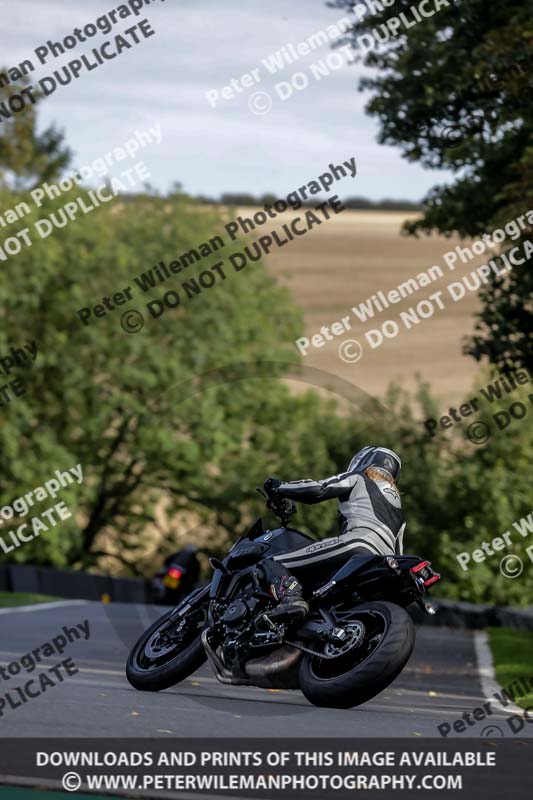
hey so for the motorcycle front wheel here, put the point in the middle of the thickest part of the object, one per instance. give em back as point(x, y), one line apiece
point(378, 640)
point(167, 653)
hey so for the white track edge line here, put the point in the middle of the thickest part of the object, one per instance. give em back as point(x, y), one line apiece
point(43, 606)
point(487, 676)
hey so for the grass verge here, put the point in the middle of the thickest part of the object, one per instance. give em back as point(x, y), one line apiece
point(512, 652)
point(8, 599)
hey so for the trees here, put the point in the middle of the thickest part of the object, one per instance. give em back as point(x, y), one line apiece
point(27, 158)
point(183, 418)
point(488, 489)
point(454, 91)
point(129, 407)
point(186, 415)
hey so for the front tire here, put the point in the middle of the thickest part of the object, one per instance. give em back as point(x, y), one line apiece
point(159, 660)
point(369, 667)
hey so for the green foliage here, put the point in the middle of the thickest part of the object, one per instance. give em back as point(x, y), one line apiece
point(455, 495)
point(27, 158)
point(192, 410)
point(129, 407)
point(455, 92)
point(356, 203)
point(512, 652)
point(467, 495)
point(11, 599)
point(489, 490)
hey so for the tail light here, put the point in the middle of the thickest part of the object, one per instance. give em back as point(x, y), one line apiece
point(423, 573)
point(174, 573)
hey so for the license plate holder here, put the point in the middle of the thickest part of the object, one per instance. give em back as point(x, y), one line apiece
point(424, 575)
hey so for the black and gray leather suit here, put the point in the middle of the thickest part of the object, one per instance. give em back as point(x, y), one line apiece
point(370, 517)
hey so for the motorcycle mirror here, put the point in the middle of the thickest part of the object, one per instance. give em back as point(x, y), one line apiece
point(217, 564)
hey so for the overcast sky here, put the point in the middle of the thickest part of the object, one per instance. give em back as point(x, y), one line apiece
point(199, 46)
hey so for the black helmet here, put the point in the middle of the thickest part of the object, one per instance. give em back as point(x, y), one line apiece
point(380, 457)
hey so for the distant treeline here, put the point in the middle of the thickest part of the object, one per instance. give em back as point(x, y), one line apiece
point(243, 199)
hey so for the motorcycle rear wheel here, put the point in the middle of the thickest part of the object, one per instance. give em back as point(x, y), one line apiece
point(364, 670)
point(162, 657)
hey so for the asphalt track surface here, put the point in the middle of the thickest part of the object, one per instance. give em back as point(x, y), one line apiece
point(440, 682)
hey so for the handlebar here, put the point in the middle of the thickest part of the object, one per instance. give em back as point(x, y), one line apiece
point(281, 506)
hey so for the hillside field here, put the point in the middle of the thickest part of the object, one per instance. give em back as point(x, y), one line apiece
point(345, 261)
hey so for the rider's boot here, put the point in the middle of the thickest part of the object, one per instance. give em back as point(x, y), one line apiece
point(292, 605)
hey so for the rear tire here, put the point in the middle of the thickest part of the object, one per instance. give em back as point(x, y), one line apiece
point(152, 674)
point(369, 676)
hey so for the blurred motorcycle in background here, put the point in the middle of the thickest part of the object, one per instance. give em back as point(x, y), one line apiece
point(178, 577)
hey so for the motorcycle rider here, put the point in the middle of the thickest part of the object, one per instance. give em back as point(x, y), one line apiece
point(370, 516)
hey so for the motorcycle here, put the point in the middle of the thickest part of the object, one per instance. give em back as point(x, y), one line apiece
point(174, 581)
point(354, 642)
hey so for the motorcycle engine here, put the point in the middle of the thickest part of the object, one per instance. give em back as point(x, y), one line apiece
point(237, 613)
point(237, 629)
point(239, 638)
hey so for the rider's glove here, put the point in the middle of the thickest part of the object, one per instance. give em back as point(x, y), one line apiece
point(271, 486)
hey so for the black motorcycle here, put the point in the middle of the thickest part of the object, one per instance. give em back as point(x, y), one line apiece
point(177, 578)
point(353, 643)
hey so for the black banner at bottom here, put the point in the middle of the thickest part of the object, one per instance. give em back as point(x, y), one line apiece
point(267, 768)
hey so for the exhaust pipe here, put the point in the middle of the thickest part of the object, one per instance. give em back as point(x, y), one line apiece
point(222, 673)
point(278, 670)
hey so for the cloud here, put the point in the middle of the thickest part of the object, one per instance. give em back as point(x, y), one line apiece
point(201, 45)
